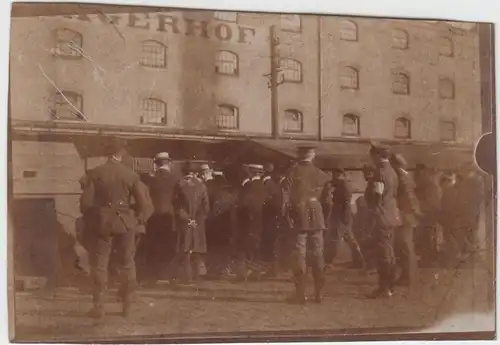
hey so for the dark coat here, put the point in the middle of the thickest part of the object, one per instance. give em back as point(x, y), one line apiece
point(191, 203)
point(251, 199)
point(305, 185)
point(107, 196)
point(384, 206)
point(337, 200)
point(161, 189)
point(407, 198)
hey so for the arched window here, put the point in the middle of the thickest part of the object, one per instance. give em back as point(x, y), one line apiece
point(291, 22)
point(350, 125)
point(154, 54)
point(400, 83)
point(226, 16)
point(400, 39)
point(291, 70)
point(226, 63)
point(447, 131)
point(153, 112)
point(446, 46)
point(348, 30)
point(68, 44)
point(68, 105)
point(402, 128)
point(293, 121)
point(349, 78)
point(446, 88)
point(228, 117)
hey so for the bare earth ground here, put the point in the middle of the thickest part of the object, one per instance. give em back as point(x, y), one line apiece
point(456, 296)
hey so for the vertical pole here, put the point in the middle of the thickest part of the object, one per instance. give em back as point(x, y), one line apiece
point(275, 63)
point(320, 115)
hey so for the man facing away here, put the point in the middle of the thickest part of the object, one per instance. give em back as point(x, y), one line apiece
point(191, 207)
point(252, 197)
point(381, 197)
point(339, 218)
point(305, 184)
point(159, 242)
point(108, 191)
point(404, 245)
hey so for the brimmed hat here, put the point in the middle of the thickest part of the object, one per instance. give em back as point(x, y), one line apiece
point(162, 156)
point(189, 167)
point(255, 167)
point(205, 167)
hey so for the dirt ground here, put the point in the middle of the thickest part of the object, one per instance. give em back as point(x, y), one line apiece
point(224, 307)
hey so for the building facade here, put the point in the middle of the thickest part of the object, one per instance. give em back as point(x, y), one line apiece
point(204, 75)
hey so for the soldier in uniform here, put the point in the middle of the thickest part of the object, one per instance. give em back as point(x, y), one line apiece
point(404, 245)
point(159, 242)
point(339, 218)
point(191, 207)
point(108, 193)
point(305, 185)
point(381, 197)
point(252, 197)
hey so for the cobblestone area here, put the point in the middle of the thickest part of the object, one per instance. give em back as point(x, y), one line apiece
point(213, 307)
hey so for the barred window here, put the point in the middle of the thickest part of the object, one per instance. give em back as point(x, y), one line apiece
point(68, 44)
point(228, 117)
point(349, 78)
point(447, 131)
point(348, 30)
point(153, 112)
point(68, 105)
point(350, 125)
point(291, 22)
point(446, 46)
point(402, 128)
point(226, 63)
point(226, 16)
point(293, 121)
point(400, 39)
point(400, 84)
point(291, 70)
point(154, 54)
point(446, 88)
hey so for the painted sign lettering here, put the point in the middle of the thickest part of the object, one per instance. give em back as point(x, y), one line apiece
point(170, 23)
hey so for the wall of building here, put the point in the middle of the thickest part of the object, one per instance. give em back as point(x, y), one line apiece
point(113, 83)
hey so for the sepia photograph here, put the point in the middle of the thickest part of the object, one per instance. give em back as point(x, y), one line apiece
point(198, 175)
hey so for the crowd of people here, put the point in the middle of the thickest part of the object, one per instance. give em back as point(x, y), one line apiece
point(275, 220)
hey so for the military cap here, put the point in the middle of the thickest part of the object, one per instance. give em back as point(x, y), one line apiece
point(338, 169)
point(398, 160)
point(162, 156)
point(380, 149)
point(304, 151)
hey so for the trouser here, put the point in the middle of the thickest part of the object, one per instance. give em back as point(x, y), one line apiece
point(427, 240)
point(101, 252)
point(341, 231)
point(188, 261)
point(386, 265)
point(404, 248)
point(157, 248)
point(218, 243)
point(249, 258)
point(272, 241)
point(309, 242)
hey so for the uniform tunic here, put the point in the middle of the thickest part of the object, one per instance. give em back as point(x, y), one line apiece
point(107, 194)
point(305, 184)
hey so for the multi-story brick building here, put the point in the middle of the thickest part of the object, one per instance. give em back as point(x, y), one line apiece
point(189, 81)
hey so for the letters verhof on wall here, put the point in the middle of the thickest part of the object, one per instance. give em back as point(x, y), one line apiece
point(176, 23)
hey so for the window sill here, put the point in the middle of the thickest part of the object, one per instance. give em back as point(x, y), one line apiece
point(154, 69)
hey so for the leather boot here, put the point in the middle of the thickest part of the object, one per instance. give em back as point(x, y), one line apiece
point(127, 298)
